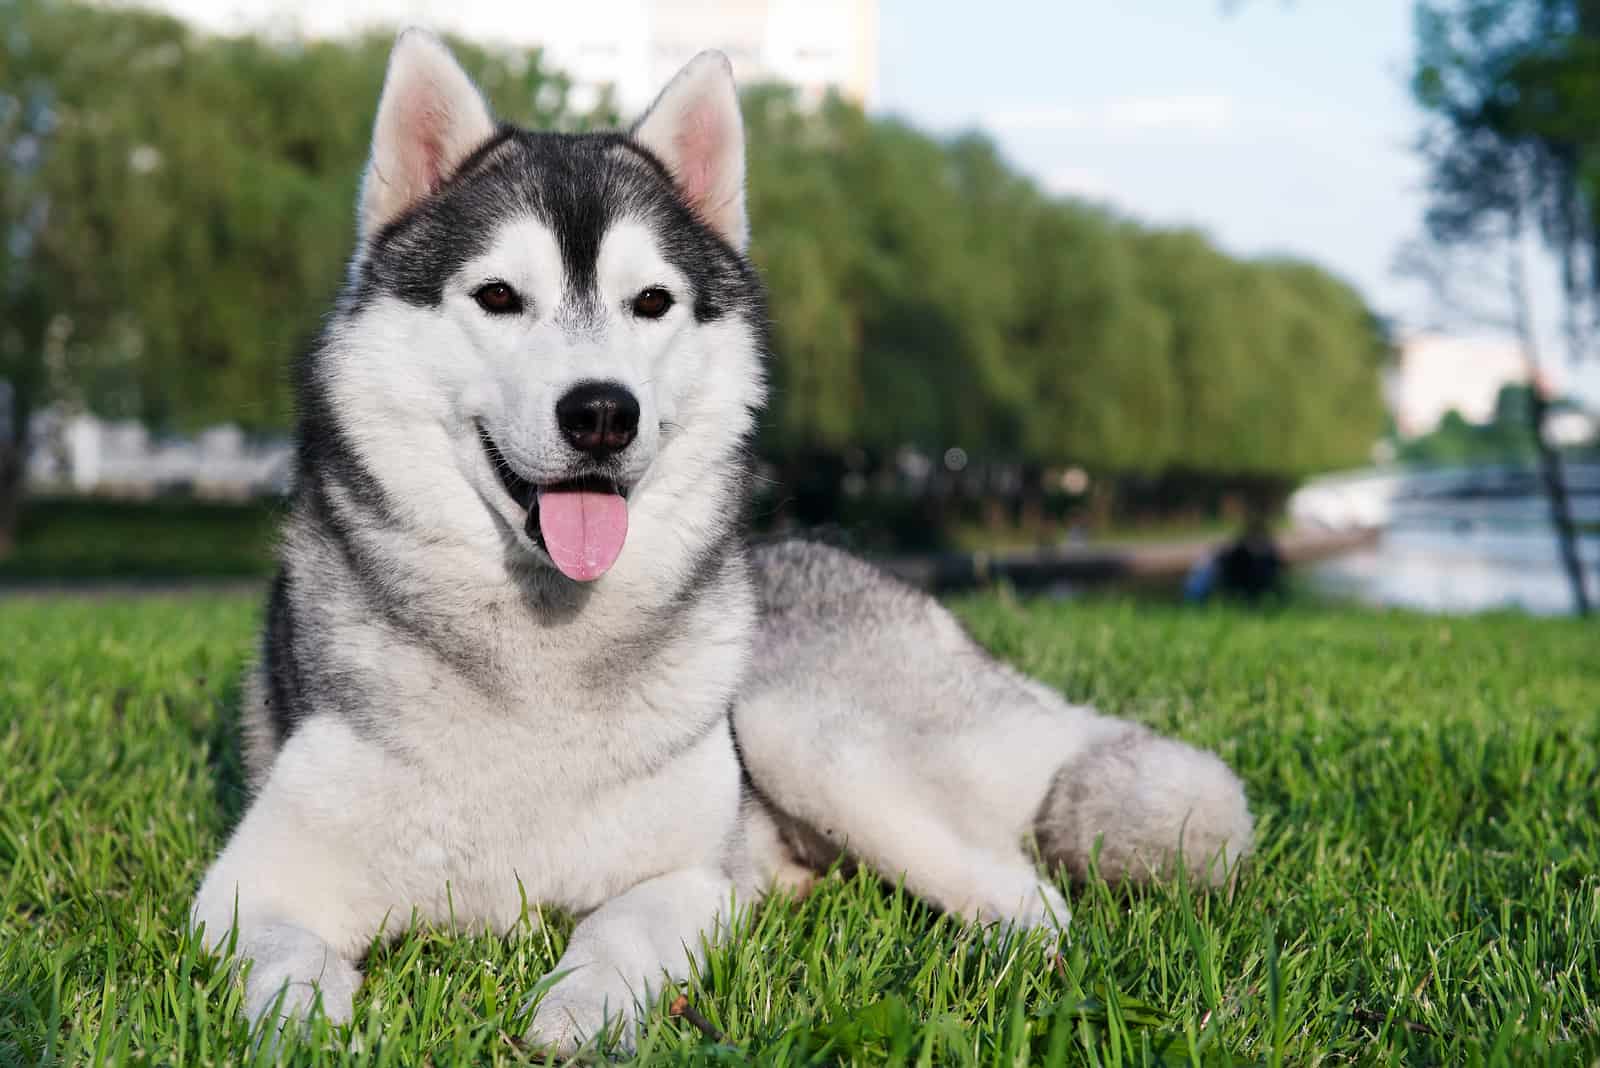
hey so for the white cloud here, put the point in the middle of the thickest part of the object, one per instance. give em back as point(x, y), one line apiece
point(1205, 112)
point(1189, 111)
point(1037, 119)
point(1078, 182)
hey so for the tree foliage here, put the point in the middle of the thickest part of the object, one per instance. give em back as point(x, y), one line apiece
point(924, 292)
point(178, 214)
point(182, 213)
point(1504, 438)
point(1513, 150)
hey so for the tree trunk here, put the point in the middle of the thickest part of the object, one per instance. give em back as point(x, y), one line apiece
point(1555, 488)
point(1550, 467)
point(13, 462)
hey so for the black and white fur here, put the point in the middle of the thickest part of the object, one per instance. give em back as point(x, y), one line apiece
point(443, 725)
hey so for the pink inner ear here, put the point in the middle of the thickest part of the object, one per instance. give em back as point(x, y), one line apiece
point(424, 126)
point(700, 145)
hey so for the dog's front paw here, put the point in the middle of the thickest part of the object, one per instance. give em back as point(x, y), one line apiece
point(290, 971)
point(573, 1014)
point(290, 1005)
point(1041, 908)
point(1016, 901)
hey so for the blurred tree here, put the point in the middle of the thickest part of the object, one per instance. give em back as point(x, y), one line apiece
point(1095, 347)
point(806, 241)
point(1214, 361)
point(70, 213)
point(926, 293)
point(1513, 150)
point(1276, 363)
point(1332, 338)
point(1456, 441)
point(177, 209)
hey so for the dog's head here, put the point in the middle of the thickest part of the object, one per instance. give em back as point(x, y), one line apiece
point(566, 324)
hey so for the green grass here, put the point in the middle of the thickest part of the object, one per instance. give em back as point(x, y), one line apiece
point(976, 537)
point(71, 539)
point(1426, 890)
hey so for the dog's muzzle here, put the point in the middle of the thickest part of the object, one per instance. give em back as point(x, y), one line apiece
point(580, 523)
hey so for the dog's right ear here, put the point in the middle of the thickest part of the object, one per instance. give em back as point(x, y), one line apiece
point(430, 118)
point(695, 130)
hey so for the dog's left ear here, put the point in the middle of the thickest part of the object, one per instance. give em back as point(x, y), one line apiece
point(694, 128)
point(430, 118)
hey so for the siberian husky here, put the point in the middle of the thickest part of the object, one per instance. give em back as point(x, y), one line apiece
point(518, 651)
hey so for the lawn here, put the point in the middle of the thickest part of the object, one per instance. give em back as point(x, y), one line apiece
point(1427, 888)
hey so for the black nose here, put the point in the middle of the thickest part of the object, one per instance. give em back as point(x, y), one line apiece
point(598, 418)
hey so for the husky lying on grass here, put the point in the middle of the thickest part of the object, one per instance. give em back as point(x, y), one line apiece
point(517, 650)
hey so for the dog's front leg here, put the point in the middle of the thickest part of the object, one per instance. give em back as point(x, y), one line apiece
point(621, 952)
point(290, 965)
point(299, 887)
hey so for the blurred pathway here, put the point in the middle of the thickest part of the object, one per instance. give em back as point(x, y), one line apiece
point(1091, 564)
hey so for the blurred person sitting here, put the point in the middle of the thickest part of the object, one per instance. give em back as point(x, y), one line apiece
point(1248, 568)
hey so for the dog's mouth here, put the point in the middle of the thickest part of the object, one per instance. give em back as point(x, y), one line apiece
point(580, 523)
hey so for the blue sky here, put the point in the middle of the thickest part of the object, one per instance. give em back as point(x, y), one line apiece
point(1275, 126)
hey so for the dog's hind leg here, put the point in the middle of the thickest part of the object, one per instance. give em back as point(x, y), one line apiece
point(845, 794)
point(874, 724)
point(899, 833)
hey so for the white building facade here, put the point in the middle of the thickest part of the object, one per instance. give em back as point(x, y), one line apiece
point(633, 46)
point(1437, 373)
point(82, 454)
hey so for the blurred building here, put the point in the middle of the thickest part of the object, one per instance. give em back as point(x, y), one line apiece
point(634, 46)
point(121, 458)
point(1436, 373)
point(1568, 426)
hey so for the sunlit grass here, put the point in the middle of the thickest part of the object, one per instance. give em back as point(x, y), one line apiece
point(1427, 888)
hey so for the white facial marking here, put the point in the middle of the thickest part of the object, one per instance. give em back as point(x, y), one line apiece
point(528, 360)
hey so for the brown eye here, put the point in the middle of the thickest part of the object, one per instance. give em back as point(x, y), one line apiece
point(497, 298)
point(652, 303)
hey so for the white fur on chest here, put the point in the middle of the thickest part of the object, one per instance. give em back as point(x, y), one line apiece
point(464, 843)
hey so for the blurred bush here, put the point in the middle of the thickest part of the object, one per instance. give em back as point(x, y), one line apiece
point(74, 540)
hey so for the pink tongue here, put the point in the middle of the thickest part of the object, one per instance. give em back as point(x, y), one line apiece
point(583, 530)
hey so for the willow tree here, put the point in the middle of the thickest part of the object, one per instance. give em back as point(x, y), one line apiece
point(178, 210)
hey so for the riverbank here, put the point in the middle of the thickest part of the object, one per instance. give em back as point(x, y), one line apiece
point(71, 541)
point(1452, 567)
point(1125, 563)
point(1095, 565)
